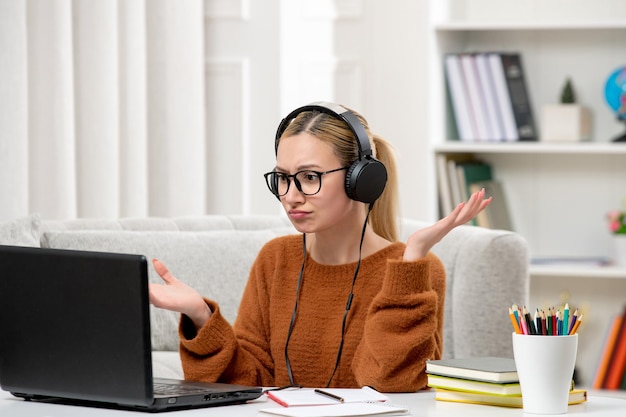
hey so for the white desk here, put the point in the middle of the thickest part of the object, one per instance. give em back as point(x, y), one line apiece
point(421, 404)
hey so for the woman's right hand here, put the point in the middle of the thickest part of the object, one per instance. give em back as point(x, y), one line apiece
point(176, 296)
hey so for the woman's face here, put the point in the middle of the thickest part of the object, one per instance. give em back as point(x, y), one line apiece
point(331, 205)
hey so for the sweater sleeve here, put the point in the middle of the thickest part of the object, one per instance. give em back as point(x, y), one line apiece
point(404, 327)
point(219, 352)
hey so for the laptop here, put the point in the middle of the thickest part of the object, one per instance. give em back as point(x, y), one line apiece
point(75, 328)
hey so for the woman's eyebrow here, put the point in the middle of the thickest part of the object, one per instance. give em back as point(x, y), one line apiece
point(299, 168)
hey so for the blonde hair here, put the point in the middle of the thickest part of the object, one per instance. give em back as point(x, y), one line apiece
point(336, 133)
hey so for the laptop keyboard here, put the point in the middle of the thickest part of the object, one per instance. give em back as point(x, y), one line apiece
point(174, 389)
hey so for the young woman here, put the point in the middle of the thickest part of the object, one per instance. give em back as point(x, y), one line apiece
point(341, 304)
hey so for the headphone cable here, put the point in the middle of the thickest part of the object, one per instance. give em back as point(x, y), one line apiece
point(345, 314)
point(350, 297)
point(295, 311)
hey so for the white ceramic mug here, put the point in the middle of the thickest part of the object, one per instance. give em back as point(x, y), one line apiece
point(545, 367)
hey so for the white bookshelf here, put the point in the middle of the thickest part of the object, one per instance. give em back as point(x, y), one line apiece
point(558, 194)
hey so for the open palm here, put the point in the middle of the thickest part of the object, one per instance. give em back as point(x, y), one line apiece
point(422, 241)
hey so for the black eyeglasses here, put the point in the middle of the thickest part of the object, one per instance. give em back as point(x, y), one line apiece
point(308, 182)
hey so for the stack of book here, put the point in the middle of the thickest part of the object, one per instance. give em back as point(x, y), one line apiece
point(459, 176)
point(611, 370)
point(481, 380)
point(489, 97)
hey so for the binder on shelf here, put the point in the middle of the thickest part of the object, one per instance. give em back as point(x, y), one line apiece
point(520, 99)
point(607, 350)
point(459, 98)
point(478, 107)
point(503, 100)
point(494, 116)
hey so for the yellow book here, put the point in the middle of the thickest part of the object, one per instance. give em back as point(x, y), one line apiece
point(576, 396)
point(480, 387)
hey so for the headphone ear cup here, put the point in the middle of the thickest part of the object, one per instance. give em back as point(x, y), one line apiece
point(365, 180)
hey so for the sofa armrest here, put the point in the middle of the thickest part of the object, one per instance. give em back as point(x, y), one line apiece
point(486, 272)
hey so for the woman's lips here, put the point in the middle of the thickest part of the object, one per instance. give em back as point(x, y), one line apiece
point(298, 214)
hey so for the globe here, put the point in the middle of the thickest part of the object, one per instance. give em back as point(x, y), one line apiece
point(615, 95)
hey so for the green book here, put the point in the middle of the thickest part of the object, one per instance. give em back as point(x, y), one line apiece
point(470, 172)
point(489, 369)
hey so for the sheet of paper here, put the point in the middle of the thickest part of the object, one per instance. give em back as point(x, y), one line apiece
point(339, 410)
point(308, 396)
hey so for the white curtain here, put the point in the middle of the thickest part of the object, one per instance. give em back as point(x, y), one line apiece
point(102, 108)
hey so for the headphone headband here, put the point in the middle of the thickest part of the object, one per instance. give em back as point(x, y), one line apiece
point(337, 111)
point(366, 177)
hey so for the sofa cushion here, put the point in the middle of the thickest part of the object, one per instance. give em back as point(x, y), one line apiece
point(21, 232)
point(200, 259)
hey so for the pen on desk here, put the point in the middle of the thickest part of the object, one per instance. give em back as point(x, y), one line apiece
point(329, 395)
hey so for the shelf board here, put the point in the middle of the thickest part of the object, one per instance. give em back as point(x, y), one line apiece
point(582, 271)
point(582, 148)
point(462, 26)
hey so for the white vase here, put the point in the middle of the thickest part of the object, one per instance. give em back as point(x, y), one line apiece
point(620, 249)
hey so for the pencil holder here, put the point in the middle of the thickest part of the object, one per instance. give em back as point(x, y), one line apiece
point(545, 368)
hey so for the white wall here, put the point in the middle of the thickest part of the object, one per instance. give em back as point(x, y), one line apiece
point(366, 54)
point(158, 136)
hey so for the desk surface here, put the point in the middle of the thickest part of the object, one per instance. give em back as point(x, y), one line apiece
point(421, 404)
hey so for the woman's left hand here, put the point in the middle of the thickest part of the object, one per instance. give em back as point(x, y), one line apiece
point(422, 241)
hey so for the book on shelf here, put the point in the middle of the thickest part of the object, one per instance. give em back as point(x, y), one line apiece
point(495, 127)
point(481, 387)
point(615, 371)
point(496, 215)
point(503, 99)
point(576, 396)
point(469, 172)
point(520, 99)
point(483, 368)
point(562, 261)
point(449, 194)
point(606, 352)
point(475, 95)
point(459, 98)
point(489, 96)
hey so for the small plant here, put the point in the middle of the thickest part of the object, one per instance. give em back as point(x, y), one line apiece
point(567, 95)
point(617, 222)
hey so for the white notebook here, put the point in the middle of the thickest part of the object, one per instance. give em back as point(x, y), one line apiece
point(340, 410)
point(310, 396)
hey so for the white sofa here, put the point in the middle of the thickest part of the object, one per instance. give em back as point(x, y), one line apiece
point(487, 270)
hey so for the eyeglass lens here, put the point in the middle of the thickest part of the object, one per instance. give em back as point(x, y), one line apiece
point(307, 182)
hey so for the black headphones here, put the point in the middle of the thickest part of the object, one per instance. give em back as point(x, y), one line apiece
point(367, 176)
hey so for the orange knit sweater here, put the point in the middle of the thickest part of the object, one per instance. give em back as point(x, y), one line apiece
point(394, 325)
